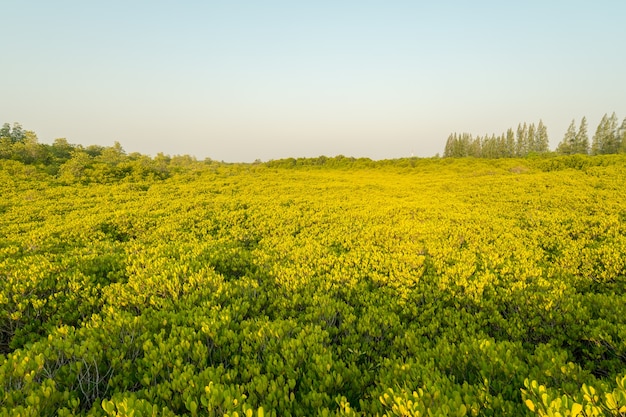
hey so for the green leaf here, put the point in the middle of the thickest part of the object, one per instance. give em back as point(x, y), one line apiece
point(108, 407)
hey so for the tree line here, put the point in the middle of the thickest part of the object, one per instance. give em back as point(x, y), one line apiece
point(94, 163)
point(528, 139)
point(79, 163)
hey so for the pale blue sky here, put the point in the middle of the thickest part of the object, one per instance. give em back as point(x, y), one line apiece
point(243, 80)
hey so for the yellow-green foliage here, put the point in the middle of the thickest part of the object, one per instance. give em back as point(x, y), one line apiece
point(321, 287)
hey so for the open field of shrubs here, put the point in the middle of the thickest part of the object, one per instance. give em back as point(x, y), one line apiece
point(314, 287)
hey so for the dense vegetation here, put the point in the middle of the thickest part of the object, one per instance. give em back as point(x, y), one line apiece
point(132, 285)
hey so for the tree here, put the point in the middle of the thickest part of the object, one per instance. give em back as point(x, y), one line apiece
point(475, 148)
point(5, 131)
point(75, 168)
point(510, 143)
point(597, 144)
point(61, 150)
point(566, 146)
point(94, 150)
point(23, 145)
point(32, 151)
point(622, 136)
point(15, 134)
point(112, 155)
point(458, 146)
point(489, 148)
point(613, 135)
point(605, 140)
point(542, 142)
point(448, 151)
point(501, 145)
point(581, 143)
point(6, 147)
point(522, 140)
point(530, 138)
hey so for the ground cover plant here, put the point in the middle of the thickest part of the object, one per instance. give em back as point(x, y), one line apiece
point(325, 286)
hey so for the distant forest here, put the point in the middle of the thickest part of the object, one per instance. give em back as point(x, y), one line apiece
point(528, 139)
point(95, 163)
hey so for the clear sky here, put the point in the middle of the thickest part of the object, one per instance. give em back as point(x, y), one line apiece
point(246, 80)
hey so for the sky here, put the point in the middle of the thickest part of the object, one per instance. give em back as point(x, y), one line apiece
point(238, 81)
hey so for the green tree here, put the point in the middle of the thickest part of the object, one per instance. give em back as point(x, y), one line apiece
point(15, 133)
point(502, 146)
point(112, 155)
point(522, 140)
point(94, 150)
point(6, 147)
point(5, 131)
point(510, 143)
point(566, 146)
point(532, 131)
point(597, 144)
point(542, 142)
point(622, 136)
point(75, 169)
point(614, 138)
point(581, 144)
point(489, 147)
point(61, 150)
point(605, 140)
point(448, 151)
point(458, 146)
point(28, 150)
point(475, 147)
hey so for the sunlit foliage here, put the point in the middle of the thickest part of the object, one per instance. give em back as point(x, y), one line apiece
point(331, 286)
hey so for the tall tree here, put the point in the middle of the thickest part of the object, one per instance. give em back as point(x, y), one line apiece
point(581, 144)
point(458, 146)
point(531, 138)
point(605, 140)
point(510, 143)
point(622, 136)
point(522, 140)
point(566, 146)
point(5, 131)
point(475, 147)
point(614, 138)
point(597, 144)
point(448, 150)
point(542, 142)
point(28, 150)
point(15, 134)
point(502, 147)
point(489, 148)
